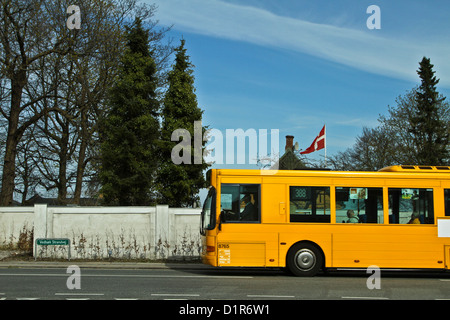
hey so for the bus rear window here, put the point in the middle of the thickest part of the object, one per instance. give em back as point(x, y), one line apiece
point(309, 204)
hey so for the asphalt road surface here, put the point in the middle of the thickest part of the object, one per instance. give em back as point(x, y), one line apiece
point(216, 284)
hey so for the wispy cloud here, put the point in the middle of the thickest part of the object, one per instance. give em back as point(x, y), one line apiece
point(317, 120)
point(363, 50)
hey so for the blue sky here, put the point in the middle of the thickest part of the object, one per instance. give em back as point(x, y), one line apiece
point(296, 65)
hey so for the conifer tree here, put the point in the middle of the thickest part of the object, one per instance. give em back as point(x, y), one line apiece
point(179, 184)
point(131, 129)
point(430, 132)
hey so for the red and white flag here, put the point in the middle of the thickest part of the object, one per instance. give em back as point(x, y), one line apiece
point(318, 143)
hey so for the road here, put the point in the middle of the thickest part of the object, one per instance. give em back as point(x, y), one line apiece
point(214, 284)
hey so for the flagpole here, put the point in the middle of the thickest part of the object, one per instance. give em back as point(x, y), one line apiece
point(325, 144)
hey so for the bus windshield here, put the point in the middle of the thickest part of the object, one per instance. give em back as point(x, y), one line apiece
point(208, 219)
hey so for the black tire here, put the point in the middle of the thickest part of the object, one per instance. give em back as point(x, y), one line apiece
point(304, 260)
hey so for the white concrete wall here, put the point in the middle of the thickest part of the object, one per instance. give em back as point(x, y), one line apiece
point(12, 222)
point(102, 232)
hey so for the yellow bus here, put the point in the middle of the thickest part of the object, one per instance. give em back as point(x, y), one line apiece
point(311, 220)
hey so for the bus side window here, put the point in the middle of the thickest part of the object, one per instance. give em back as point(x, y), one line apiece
point(447, 202)
point(240, 203)
point(309, 204)
point(411, 206)
point(359, 205)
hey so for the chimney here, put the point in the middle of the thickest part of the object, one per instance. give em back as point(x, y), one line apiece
point(289, 143)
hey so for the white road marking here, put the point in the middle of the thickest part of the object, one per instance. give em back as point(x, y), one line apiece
point(78, 294)
point(367, 298)
point(174, 295)
point(267, 296)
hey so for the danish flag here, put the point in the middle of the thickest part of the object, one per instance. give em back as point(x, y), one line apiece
point(318, 143)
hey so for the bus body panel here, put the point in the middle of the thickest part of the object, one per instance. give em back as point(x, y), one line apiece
point(247, 245)
point(266, 243)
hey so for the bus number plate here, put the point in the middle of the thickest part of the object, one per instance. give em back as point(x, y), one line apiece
point(224, 253)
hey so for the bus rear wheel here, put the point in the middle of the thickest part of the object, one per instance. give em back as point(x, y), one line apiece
point(304, 260)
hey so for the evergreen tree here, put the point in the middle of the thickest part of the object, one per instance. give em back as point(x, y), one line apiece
point(179, 184)
point(430, 132)
point(131, 129)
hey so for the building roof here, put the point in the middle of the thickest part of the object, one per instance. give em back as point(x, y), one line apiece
point(289, 161)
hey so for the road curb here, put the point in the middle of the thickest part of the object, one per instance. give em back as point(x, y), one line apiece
point(101, 265)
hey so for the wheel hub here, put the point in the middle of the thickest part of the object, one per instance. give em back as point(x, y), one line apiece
point(305, 259)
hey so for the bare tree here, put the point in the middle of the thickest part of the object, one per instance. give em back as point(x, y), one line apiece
point(27, 35)
point(27, 175)
point(54, 82)
point(371, 152)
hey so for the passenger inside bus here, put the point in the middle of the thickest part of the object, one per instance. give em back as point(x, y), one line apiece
point(414, 218)
point(351, 217)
